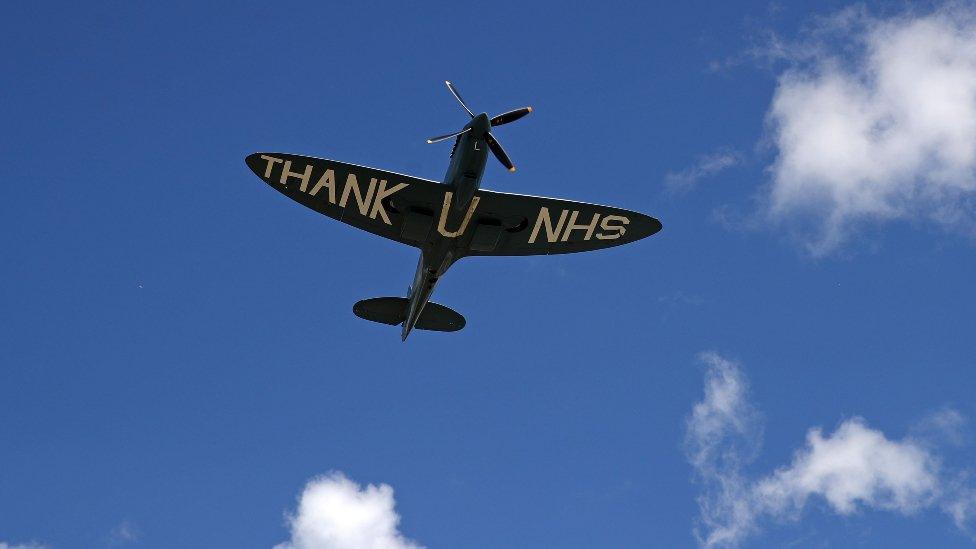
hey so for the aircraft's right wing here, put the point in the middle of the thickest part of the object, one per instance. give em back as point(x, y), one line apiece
point(377, 201)
point(516, 224)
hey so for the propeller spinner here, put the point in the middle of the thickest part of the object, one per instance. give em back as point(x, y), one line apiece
point(493, 144)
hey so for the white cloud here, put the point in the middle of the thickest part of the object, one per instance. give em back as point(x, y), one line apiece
point(874, 120)
point(336, 513)
point(852, 468)
point(31, 545)
point(705, 166)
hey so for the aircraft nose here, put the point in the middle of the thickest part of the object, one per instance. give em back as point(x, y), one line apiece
point(481, 123)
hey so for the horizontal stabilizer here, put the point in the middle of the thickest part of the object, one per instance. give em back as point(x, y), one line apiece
point(393, 311)
point(439, 318)
point(387, 310)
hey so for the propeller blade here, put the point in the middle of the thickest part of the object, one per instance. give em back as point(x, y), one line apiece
point(458, 97)
point(448, 136)
point(496, 148)
point(510, 116)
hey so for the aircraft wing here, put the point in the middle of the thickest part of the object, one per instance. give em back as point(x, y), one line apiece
point(375, 201)
point(409, 209)
point(516, 224)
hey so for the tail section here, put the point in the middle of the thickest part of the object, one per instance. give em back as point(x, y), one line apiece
point(393, 311)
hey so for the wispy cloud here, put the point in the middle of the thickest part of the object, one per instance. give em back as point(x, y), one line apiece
point(31, 545)
point(944, 426)
point(705, 166)
point(679, 297)
point(874, 119)
point(724, 432)
point(962, 507)
point(852, 468)
point(336, 513)
point(124, 533)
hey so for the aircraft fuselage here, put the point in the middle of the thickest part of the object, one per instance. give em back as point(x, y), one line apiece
point(464, 177)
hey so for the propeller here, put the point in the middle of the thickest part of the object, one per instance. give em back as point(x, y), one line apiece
point(440, 138)
point(496, 148)
point(510, 116)
point(458, 97)
point(493, 144)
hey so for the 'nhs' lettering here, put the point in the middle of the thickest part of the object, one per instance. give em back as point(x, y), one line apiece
point(611, 228)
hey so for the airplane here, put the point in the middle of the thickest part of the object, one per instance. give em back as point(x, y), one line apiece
point(449, 220)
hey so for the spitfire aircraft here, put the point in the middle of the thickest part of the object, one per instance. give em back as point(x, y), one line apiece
point(448, 220)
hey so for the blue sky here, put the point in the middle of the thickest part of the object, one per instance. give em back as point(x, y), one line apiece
point(179, 360)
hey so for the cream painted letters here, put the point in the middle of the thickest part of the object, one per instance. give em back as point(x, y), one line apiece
point(271, 162)
point(572, 226)
point(328, 181)
point(381, 194)
point(608, 226)
point(286, 173)
point(447, 208)
point(552, 234)
point(353, 185)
